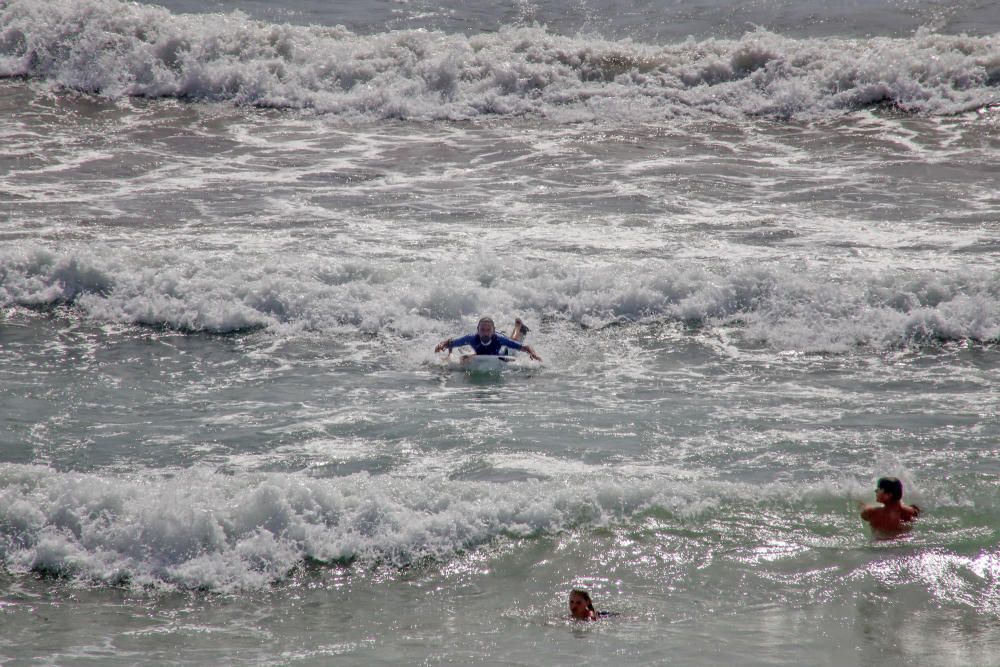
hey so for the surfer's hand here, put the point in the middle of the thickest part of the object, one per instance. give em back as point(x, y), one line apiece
point(446, 343)
point(531, 353)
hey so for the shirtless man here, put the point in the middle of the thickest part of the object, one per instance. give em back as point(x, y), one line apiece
point(894, 517)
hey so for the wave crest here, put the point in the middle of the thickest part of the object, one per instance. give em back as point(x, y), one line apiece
point(118, 49)
point(796, 309)
point(202, 530)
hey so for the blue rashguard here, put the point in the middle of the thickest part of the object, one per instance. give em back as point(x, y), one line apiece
point(493, 347)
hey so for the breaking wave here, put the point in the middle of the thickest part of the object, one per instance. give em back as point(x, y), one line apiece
point(777, 306)
point(116, 49)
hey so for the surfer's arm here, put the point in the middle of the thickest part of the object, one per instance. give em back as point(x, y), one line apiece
point(450, 343)
point(531, 352)
point(510, 342)
point(515, 345)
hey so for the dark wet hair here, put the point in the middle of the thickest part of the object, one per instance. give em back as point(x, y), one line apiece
point(486, 319)
point(585, 595)
point(892, 486)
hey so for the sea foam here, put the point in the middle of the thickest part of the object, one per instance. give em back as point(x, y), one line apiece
point(220, 532)
point(199, 529)
point(114, 48)
point(798, 308)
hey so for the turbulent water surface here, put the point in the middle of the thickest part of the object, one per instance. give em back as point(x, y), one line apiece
point(757, 246)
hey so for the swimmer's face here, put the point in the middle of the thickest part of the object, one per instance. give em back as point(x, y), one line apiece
point(485, 329)
point(882, 496)
point(578, 607)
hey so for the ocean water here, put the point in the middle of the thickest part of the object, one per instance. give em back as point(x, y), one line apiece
point(756, 243)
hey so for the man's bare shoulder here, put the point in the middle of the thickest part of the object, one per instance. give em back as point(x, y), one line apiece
point(869, 511)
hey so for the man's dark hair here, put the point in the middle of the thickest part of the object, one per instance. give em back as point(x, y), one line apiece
point(892, 486)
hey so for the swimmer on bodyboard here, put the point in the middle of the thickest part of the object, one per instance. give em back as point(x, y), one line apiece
point(487, 342)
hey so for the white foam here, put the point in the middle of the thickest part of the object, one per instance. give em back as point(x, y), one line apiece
point(201, 529)
point(223, 532)
point(114, 48)
point(802, 308)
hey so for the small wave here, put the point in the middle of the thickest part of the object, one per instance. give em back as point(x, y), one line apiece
point(775, 306)
point(202, 530)
point(164, 293)
point(118, 49)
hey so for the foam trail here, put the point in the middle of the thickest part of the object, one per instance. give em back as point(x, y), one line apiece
point(114, 48)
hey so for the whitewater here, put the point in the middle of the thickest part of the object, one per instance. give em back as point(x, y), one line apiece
point(756, 244)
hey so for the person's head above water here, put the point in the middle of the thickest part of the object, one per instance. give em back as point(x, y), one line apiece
point(485, 329)
point(893, 517)
point(890, 486)
point(580, 606)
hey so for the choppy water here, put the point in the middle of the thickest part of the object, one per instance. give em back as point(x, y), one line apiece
point(757, 246)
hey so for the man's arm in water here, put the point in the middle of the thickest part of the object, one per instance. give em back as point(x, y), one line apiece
point(514, 345)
